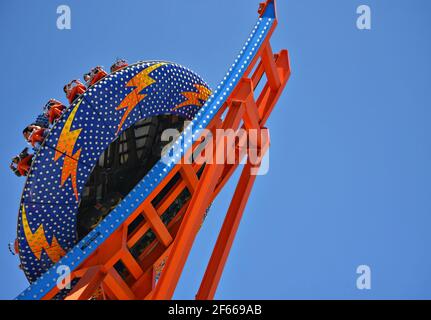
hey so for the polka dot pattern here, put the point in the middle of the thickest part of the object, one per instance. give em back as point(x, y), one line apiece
point(93, 139)
point(58, 220)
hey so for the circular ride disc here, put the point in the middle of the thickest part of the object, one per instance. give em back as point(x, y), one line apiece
point(47, 221)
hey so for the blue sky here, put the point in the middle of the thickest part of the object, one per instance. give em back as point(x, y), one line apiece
point(349, 163)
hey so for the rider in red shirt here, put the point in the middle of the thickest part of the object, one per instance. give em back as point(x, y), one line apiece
point(53, 110)
point(94, 75)
point(73, 89)
point(21, 163)
point(119, 64)
point(35, 135)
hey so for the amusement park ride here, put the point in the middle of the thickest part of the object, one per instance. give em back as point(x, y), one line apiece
point(97, 200)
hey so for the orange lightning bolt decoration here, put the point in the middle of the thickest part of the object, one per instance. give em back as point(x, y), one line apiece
point(195, 98)
point(37, 241)
point(140, 82)
point(65, 145)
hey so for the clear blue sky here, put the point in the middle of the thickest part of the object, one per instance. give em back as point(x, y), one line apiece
point(349, 179)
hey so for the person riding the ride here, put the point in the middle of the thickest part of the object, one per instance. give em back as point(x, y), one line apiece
point(53, 110)
point(94, 75)
point(73, 89)
point(21, 163)
point(14, 247)
point(35, 135)
point(119, 64)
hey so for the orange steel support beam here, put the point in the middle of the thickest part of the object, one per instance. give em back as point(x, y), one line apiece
point(131, 264)
point(88, 284)
point(268, 97)
point(117, 286)
point(225, 239)
point(270, 67)
point(186, 234)
point(189, 176)
point(156, 223)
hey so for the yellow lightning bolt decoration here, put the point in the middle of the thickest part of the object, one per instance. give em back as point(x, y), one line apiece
point(37, 241)
point(195, 98)
point(140, 82)
point(65, 145)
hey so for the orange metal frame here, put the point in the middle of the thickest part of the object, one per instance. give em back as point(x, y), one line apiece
point(155, 273)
